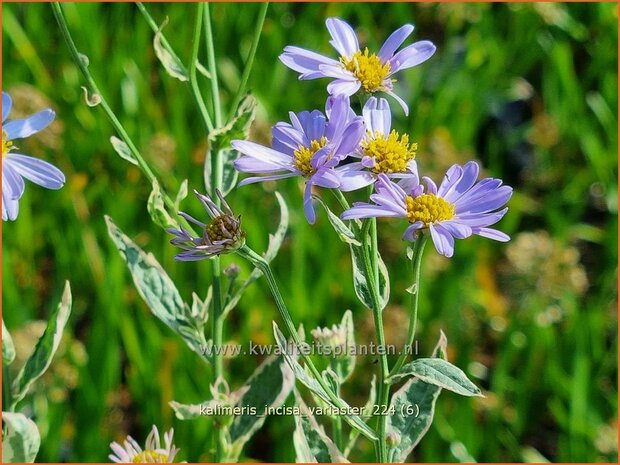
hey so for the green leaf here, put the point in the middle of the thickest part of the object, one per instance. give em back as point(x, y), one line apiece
point(269, 386)
point(345, 364)
point(21, 441)
point(359, 279)
point(158, 291)
point(310, 440)
point(122, 149)
point(343, 231)
point(219, 142)
point(157, 209)
point(45, 349)
point(168, 59)
point(8, 348)
point(440, 373)
point(414, 407)
point(275, 242)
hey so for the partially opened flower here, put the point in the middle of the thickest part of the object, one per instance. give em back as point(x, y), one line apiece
point(310, 147)
point(359, 69)
point(460, 207)
point(16, 166)
point(223, 234)
point(382, 150)
point(131, 452)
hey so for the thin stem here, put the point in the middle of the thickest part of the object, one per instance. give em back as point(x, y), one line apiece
point(193, 78)
point(250, 61)
point(416, 262)
point(342, 200)
point(264, 267)
point(215, 90)
point(372, 278)
point(94, 90)
point(217, 329)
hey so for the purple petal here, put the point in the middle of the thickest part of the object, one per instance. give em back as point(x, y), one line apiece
point(308, 206)
point(395, 40)
point(10, 207)
point(340, 86)
point(444, 242)
point(410, 231)
point(412, 55)
point(452, 176)
point(286, 139)
point(305, 61)
point(20, 128)
point(476, 220)
point(400, 101)
point(273, 177)
point(6, 105)
point(351, 137)
point(366, 210)
point(354, 180)
point(12, 183)
point(457, 229)
point(337, 71)
point(368, 162)
point(466, 181)
point(259, 152)
point(247, 164)
point(431, 187)
point(492, 234)
point(38, 171)
point(377, 116)
point(326, 178)
point(490, 201)
point(314, 124)
point(343, 35)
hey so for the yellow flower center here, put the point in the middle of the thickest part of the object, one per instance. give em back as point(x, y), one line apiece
point(304, 154)
point(150, 456)
point(428, 208)
point(392, 154)
point(368, 68)
point(7, 145)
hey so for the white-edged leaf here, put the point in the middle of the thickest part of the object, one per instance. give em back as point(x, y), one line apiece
point(181, 194)
point(167, 58)
point(46, 347)
point(123, 151)
point(311, 442)
point(344, 232)
point(440, 373)
point(158, 291)
point(368, 410)
point(20, 443)
point(359, 279)
point(8, 348)
point(414, 407)
point(157, 209)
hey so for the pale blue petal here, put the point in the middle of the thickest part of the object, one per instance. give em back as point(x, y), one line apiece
point(274, 177)
point(395, 40)
point(492, 234)
point(412, 55)
point(377, 116)
point(400, 101)
point(340, 86)
point(38, 171)
point(12, 183)
point(6, 106)
point(308, 206)
point(260, 152)
point(305, 61)
point(366, 210)
point(343, 35)
point(20, 128)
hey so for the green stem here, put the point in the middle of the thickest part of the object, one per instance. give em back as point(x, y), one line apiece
point(215, 90)
point(372, 278)
point(94, 90)
point(250, 61)
point(264, 267)
point(416, 263)
point(217, 327)
point(193, 78)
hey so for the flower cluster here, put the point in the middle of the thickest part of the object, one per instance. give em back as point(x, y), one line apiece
point(16, 166)
point(340, 150)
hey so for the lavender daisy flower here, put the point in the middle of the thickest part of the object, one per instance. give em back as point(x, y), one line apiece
point(357, 69)
point(310, 147)
point(382, 150)
point(222, 235)
point(459, 208)
point(131, 452)
point(16, 166)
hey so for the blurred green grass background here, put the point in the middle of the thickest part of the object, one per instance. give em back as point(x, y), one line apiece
point(529, 90)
